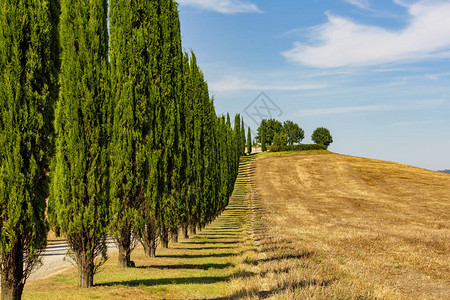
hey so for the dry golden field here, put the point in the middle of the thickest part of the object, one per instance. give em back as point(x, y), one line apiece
point(335, 226)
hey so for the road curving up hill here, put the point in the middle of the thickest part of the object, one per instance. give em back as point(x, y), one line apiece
point(379, 226)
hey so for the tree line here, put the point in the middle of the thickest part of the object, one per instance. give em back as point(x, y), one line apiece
point(115, 126)
point(273, 132)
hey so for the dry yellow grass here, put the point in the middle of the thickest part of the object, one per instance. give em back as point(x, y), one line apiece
point(334, 226)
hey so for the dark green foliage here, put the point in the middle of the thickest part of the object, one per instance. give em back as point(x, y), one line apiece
point(130, 31)
point(238, 134)
point(80, 181)
point(163, 202)
point(262, 135)
point(249, 141)
point(169, 76)
point(28, 85)
point(272, 126)
point(280, 139)
point(322, 136)
point(242, 137)
point(301, 147)
point(212, 151)
point(294, 133)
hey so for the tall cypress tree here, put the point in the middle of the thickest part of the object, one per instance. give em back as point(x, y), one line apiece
point(249, 141)
point(170, 71)
point(188, 137)
point(130, 29)
point(263, 135)
point(193, 132)
point(28, 68)
point(80, 176)
point(161, 209)
point(237, 141)
point(242, 137)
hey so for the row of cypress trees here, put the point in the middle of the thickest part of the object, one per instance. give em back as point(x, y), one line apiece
point(121, 122)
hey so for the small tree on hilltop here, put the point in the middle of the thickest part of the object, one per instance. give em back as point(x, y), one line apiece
point(273, 127)
point(294, 133)
point(322, 136)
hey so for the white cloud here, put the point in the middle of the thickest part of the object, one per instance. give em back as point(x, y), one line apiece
point(417, 123)
point(437, 76)
point(363, 4)
point(342, 42)
point(369, 108)
point(232, 83)
point(224, 6)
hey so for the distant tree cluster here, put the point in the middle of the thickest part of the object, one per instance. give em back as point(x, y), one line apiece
point(273, 132)
point(115, 126)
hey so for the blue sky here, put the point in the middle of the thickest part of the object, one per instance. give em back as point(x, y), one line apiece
point(375, 73)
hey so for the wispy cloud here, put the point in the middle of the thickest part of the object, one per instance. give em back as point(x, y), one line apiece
point(417, 123)
point(369, 108)
point(224, 6)
point(232, 83)
point(437, 76)
point(363, 4)
point(342, 42)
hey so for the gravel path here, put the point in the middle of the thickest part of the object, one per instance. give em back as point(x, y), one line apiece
point(53, 261)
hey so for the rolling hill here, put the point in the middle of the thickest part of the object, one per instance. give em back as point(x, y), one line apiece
point(375, 226)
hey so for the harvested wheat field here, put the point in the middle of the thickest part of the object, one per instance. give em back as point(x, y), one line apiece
point(334, 226)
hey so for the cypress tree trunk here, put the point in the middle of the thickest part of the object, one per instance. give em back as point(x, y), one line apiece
point(57, 231)
point(193, 230)
point(185, 232)
point(174, 236)
point(12, 279)
point(124, 243)
point(85, 270)
point(164, 236)
point(148, 239)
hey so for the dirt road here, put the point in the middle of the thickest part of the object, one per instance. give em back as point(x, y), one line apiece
point(54, 260)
